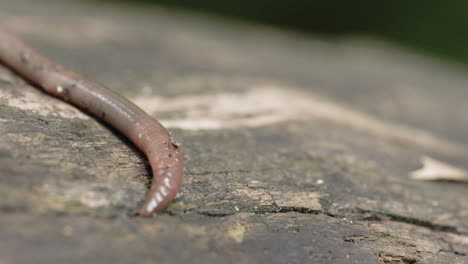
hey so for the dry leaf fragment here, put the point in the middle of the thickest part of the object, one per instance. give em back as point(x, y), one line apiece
point(436, 170)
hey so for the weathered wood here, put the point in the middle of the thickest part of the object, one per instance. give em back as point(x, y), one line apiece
point(296, 150)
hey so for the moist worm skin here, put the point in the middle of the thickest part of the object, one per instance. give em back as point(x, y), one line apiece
point(145, 132)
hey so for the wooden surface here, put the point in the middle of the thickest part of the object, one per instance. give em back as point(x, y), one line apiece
point(297, 150)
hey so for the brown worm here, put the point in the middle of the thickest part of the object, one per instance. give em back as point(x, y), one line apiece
point(145, 132)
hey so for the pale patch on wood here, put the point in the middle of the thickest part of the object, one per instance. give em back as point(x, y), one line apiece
point(86, 31)
point(262, 105)
point(265, 196)
point(459, 239)
point(309, 200)
point(41, 104)
point(237, 232)
point(59, 198)
point(436, 170)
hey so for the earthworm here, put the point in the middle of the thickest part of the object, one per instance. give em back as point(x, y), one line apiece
point(142, 130)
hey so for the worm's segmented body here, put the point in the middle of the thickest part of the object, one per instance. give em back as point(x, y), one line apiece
point(145, 132)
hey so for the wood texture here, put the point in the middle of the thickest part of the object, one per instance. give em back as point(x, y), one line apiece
point(297, 150)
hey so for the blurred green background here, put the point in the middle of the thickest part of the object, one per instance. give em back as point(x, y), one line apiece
point(431, 26)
